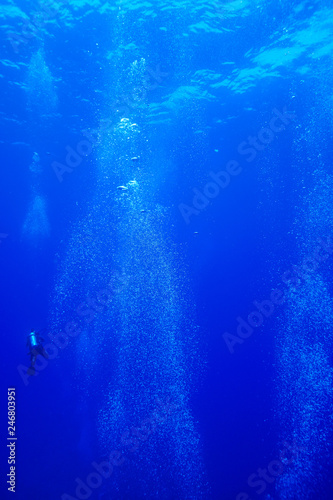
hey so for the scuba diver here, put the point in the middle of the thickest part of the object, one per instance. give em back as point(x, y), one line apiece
point(35, 346)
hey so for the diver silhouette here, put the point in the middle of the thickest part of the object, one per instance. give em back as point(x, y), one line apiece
point(35, 346)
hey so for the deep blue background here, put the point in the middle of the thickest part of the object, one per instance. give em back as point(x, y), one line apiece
point(244, 241)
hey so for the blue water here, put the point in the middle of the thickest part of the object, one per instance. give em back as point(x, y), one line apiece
point(166, 225)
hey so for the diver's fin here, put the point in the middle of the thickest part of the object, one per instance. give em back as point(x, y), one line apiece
point(31, 371)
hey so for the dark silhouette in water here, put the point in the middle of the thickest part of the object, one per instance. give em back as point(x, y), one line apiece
point(35, 346)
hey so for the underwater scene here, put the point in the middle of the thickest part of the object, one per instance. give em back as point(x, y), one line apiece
point(166, 249)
